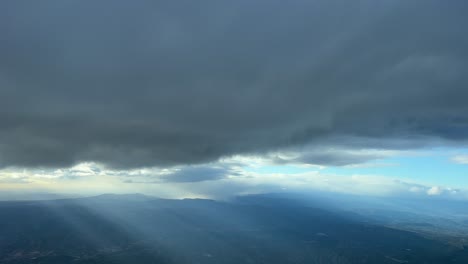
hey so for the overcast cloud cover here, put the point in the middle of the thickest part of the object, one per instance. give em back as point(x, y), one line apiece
point(195, 91)
point(145, 83)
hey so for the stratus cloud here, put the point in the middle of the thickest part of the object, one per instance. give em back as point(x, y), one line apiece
point(331, 156)
point(142, 83)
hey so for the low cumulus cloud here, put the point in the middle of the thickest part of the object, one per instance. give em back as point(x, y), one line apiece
point(165, 83)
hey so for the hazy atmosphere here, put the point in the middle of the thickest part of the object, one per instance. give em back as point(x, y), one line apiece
point(219, 98)
point(233, 131)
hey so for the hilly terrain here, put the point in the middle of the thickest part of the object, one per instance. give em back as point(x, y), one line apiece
point(253, 229)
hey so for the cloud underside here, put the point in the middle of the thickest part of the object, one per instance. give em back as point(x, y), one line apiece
point(144, 83)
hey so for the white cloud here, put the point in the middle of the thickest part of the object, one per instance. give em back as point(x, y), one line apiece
point(460, 159)
point(435, 190)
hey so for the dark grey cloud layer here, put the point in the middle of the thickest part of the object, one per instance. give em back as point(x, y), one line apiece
point(198, 174)
point(140, 83)
point(329, 158)
point(185, 174)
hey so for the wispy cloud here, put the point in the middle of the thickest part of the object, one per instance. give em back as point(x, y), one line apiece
point(460, 159)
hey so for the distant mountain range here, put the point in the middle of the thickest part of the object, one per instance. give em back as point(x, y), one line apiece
point(272, 228)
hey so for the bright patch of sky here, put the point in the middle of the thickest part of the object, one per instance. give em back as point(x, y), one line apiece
point(437, 167)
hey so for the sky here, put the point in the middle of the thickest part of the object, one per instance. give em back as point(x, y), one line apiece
point(220, 98)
